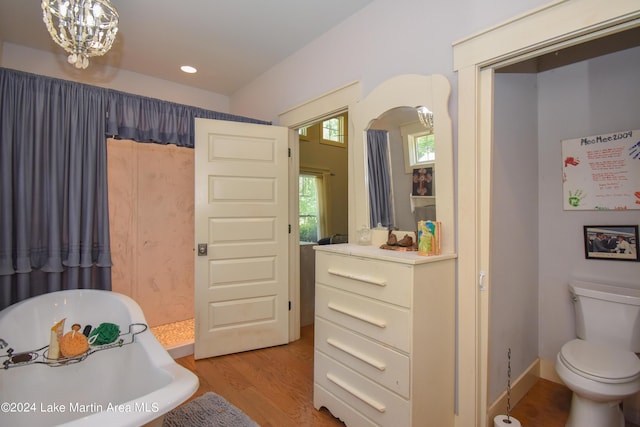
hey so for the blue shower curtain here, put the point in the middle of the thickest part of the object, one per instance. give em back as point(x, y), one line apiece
point(54, 215)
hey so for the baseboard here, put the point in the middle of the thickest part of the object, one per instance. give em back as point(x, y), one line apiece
point(180, 350)
point(519, 388)
point(548, 371)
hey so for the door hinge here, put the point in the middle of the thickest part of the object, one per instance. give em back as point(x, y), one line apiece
point(289, 305)
point(289, 228)
point(289, 151)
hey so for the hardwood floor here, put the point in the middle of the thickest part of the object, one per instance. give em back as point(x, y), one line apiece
point(274, 386)
point(546, 405)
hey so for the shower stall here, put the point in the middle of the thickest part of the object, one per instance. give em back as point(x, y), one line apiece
point(151, 214)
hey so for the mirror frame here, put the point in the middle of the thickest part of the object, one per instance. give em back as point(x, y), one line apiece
point(407, 90)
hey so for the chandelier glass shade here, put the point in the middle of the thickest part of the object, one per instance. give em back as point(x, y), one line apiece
point(426, 117)
point(84, 28)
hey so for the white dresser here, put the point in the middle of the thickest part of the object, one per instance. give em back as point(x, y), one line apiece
point(384, 336)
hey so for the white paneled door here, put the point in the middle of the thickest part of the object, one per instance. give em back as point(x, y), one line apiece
point(241, 237)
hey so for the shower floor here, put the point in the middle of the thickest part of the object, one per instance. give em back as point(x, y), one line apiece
point(177, 338)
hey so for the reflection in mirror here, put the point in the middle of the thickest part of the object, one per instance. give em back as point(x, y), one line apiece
point(401, 161)
point(408, 91)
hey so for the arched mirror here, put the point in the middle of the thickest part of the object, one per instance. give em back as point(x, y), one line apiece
point(401, 160)
point(404, 130)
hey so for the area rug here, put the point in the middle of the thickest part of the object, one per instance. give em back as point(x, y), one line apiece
point(208, 410)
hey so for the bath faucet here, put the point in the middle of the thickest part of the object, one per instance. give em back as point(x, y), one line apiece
point(3, 343)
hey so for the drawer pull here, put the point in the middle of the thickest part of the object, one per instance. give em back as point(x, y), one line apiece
point(357, 393)
point(364, 279)
point(358, 355)
point(359, 316)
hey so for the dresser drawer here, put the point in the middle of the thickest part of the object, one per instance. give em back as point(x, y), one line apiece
point(383, 322)
point(339, 409)
point(377, 362)
point(386, 281)
point(375, 402)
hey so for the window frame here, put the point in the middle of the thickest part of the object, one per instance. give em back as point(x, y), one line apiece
point(321, 191)
point(343, 117)
point(409, 134)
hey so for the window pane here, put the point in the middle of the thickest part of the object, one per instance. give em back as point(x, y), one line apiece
point(332, 129)
point(308, 215)
point(425, 148)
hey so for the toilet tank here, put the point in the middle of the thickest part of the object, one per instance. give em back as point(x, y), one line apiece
point(607, 314)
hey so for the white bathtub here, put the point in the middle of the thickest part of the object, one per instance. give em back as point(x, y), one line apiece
point(131, 385)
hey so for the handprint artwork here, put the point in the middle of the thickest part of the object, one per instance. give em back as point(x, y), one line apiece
point(571, 161)
point(574, 198)
point(601, 172)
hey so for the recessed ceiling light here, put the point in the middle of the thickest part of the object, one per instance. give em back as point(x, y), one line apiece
point(188, 69)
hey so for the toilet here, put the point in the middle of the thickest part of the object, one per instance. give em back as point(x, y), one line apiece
point(601, 366)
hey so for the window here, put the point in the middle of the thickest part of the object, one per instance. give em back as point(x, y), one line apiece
point(424, 148)
point(419, 146)
point(310, 207)
point(303, 134)
point(334, 131)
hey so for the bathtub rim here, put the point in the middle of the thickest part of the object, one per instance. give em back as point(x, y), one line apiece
point(182, 386)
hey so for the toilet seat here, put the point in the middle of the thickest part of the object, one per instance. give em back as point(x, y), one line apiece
point(600, 363)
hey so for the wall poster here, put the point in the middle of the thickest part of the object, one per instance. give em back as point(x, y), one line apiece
point(602, 172)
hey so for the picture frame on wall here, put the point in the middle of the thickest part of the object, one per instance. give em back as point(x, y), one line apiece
point(612, 242)
point(423, 182)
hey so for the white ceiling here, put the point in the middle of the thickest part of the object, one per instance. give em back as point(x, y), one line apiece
point(230, 42)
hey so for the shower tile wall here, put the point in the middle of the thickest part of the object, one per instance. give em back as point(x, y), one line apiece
point(151, 213)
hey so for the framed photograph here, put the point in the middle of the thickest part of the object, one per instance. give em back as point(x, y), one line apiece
point(615, 242)
point(423, 184)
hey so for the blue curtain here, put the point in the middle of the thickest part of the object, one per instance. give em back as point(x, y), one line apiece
point(54, 218)
point(54, 214)
point(151, 120)
point(380, 211)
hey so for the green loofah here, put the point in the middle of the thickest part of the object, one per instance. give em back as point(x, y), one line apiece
point(106, 333)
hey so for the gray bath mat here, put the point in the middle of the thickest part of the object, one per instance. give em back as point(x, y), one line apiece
point(208, 410)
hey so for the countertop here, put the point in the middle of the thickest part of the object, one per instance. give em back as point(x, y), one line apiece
point(374, 252)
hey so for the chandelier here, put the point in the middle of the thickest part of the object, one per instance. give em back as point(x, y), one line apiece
point(84, 28)
point(426, 117)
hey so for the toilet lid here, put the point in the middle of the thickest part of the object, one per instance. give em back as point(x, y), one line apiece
point(600, 362)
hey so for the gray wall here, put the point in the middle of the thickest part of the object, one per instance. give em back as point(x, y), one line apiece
point(589, 98)
point(513, 319)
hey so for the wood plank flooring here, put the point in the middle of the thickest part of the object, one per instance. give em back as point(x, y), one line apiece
point(546, 405)
point(274, 386)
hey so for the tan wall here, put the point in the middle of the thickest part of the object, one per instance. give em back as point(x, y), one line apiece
point(315, 155)
point(151, 213)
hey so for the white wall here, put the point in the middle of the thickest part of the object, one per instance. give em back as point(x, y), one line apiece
point(588, 98)
point(35, 61)
point(386, 38)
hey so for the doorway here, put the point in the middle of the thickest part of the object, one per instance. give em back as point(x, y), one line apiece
point(313, 111)
point(323, 200)
point(476, 59)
